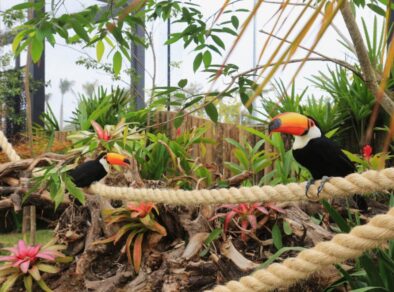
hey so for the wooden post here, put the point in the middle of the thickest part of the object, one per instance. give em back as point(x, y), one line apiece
point(25, 222)
point(33, 225)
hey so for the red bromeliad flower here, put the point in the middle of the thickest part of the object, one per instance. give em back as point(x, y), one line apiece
point(101, 134)
point(178, 132)
point(24, 256)
point(246, 214)
point(140, 210)
point(367, 151)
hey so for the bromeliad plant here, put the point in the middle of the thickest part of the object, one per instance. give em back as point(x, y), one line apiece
point(136, 221)
point(109, 138)
point(246, 215)
point(28, 262)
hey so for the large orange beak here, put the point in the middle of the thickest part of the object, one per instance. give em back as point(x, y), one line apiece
point(289, 123)
point(117, 159)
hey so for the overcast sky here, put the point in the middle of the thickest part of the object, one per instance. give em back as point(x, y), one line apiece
point(60, 62)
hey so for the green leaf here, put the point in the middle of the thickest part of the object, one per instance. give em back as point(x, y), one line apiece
point(44, 286)
point(117, 63)
point(59, 195)
point(287, 228)
point(218, 41)
point(28, 282)
point(212, 112)
point(9, 282)
point(207, 59)
point(22, 6)
point(377, 9)
point(278, 254)
point(48, 268)
point(364, 289)
point(18, 38)
point(277, 236)
point(100, 50)
point(197, 62)
point(37, 47)
point(179, 119)
point(35, 273)
point(182, 83)
point(79, 30)
point(215, 234)
point(73, 189)
point(342, 224)
point(235, 21)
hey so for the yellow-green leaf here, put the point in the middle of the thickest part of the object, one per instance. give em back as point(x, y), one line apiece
point(100, 50)
point(37, 47)
point(117, 63)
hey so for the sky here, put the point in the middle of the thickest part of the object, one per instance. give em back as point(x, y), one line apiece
point(61, 60)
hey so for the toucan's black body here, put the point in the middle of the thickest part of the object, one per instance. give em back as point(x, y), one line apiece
point(322, 157)
point(87, 173)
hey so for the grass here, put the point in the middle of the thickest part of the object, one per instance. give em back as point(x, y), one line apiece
point(10, 239)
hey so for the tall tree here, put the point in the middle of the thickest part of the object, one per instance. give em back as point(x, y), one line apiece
point(65, 86)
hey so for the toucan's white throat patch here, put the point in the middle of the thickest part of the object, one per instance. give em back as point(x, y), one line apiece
point(302, 141)
point(105, 164)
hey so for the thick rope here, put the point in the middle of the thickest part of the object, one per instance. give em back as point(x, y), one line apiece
point(356, 183)
point(8, 149)
point(340, 248)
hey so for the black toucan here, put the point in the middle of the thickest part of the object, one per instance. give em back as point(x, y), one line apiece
point(94, 170)
point(321, 156)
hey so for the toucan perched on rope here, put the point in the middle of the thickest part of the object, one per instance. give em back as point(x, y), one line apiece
point(94, 170)
point(321, 156)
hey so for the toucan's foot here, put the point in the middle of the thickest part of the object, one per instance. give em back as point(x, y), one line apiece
point(324, 179)
point(308, 185)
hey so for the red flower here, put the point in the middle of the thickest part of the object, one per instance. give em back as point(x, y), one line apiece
point(141, 210)
point(367, 151)
point(101, 133)
point(178, 132)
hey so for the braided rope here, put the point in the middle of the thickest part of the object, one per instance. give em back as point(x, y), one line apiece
point(340, 248)
point(7, 148)
point(356, 183)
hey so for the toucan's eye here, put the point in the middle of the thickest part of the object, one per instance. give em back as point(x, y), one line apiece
point(311, 123)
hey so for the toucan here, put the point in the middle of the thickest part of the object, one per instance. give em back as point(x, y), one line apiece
point(94, 170)
point(313, 150)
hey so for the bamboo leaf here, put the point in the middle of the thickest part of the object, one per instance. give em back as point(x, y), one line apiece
point(100, 50)
point(117, 63)
point(197, 62)
point(212, 112)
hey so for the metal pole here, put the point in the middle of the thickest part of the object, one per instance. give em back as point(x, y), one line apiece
point(169, 61)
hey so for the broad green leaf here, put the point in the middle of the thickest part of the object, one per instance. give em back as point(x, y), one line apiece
point(48, 268)
point(100, 50)
point(79, 30)
point(182, 83)
point(74, 190)
point(22, 6)
point(35, 273)
point(287, 228)
point(18, 38)
point(197, 62)
point(179, 119)
point(207, 59)
point(277, 236)
point(218, 41)
point(235, 21)
point(37, 47)
point(117, 63)
point(212, 112)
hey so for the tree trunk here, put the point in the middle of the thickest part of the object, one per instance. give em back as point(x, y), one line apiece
point(362, 55)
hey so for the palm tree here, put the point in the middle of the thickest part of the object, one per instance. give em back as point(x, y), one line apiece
point(65, 86)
